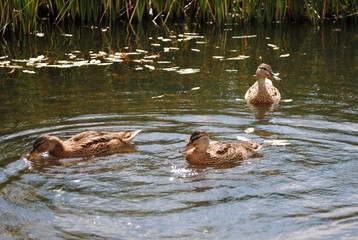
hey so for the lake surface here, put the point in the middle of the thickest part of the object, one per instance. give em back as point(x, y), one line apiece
point(170, 82)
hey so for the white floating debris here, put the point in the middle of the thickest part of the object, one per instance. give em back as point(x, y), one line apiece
point(195, 50)
point(195, 88)
point(38, 58)
point(3, 57)
point(239, 99)
point(94, 61)
point(274, 47)
point(28, 71)
point(201, 42)
point(278, 142)
point(150, 67)
point(287, 100)
point(167, 49)
point(244, 139)
point(188, 71)
point(138, 68)
point(67, 35)
point(249, 130)
point(285, 55)
point(218, 57)
point(166, 40)
point(155, 44)
point(247, 36)
point(163, 62)
point(240, 57)
point(141, 51)
point(40, 34)
point(152, 56)
point(231, 70)
point(160, 96)
point(172, 69)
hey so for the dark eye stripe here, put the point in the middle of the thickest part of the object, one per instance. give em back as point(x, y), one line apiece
point(196, 135)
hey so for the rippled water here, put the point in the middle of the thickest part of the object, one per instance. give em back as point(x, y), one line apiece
point(169, 83)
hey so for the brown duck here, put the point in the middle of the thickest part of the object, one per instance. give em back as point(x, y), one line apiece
point(84, 144)
point(201, 151)
point(263, 91)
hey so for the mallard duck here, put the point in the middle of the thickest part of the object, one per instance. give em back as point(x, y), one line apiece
point(201, 151)
point(84, 144)
point(263, 91)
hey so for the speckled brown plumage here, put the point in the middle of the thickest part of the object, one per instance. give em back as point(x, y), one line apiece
point(82, 145)
point(201, 151)
point(263, 91)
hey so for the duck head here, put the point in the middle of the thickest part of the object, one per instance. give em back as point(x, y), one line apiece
point(198, 140)
point(265, 71)
point(43, 144)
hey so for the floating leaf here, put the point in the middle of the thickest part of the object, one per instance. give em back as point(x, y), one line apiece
point(249, 130)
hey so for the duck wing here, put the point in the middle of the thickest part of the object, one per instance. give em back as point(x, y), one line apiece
point(231, 152)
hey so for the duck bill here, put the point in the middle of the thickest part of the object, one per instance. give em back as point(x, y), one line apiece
point(186, 148)
point(32, 154)
point(275, 77)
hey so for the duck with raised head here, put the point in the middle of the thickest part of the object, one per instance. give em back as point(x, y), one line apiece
point(85, 144)
point(201, 151)
point(263, 91)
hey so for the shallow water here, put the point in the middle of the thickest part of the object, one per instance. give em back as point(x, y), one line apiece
point(170, 82)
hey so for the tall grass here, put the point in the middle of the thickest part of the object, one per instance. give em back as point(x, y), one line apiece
point(25, 15)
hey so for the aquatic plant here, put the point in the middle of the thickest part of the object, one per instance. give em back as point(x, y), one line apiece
point(25, 15)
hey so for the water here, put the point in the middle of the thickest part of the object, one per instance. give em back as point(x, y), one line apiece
point(305, 190)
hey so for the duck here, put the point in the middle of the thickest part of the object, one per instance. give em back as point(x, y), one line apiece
point(263, 91)
point(200, 150)
point(85, 144)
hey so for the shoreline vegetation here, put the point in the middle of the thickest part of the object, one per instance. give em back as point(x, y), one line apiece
point(25, 16)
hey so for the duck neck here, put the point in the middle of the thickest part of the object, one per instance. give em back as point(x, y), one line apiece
point(262, 85)
point(59, 149)
point(202, 147)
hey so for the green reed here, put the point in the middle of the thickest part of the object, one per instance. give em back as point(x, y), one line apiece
point(25, 15)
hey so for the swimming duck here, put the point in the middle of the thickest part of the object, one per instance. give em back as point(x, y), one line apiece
point(84, 144)
point(201, 151)
point(263, 91)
